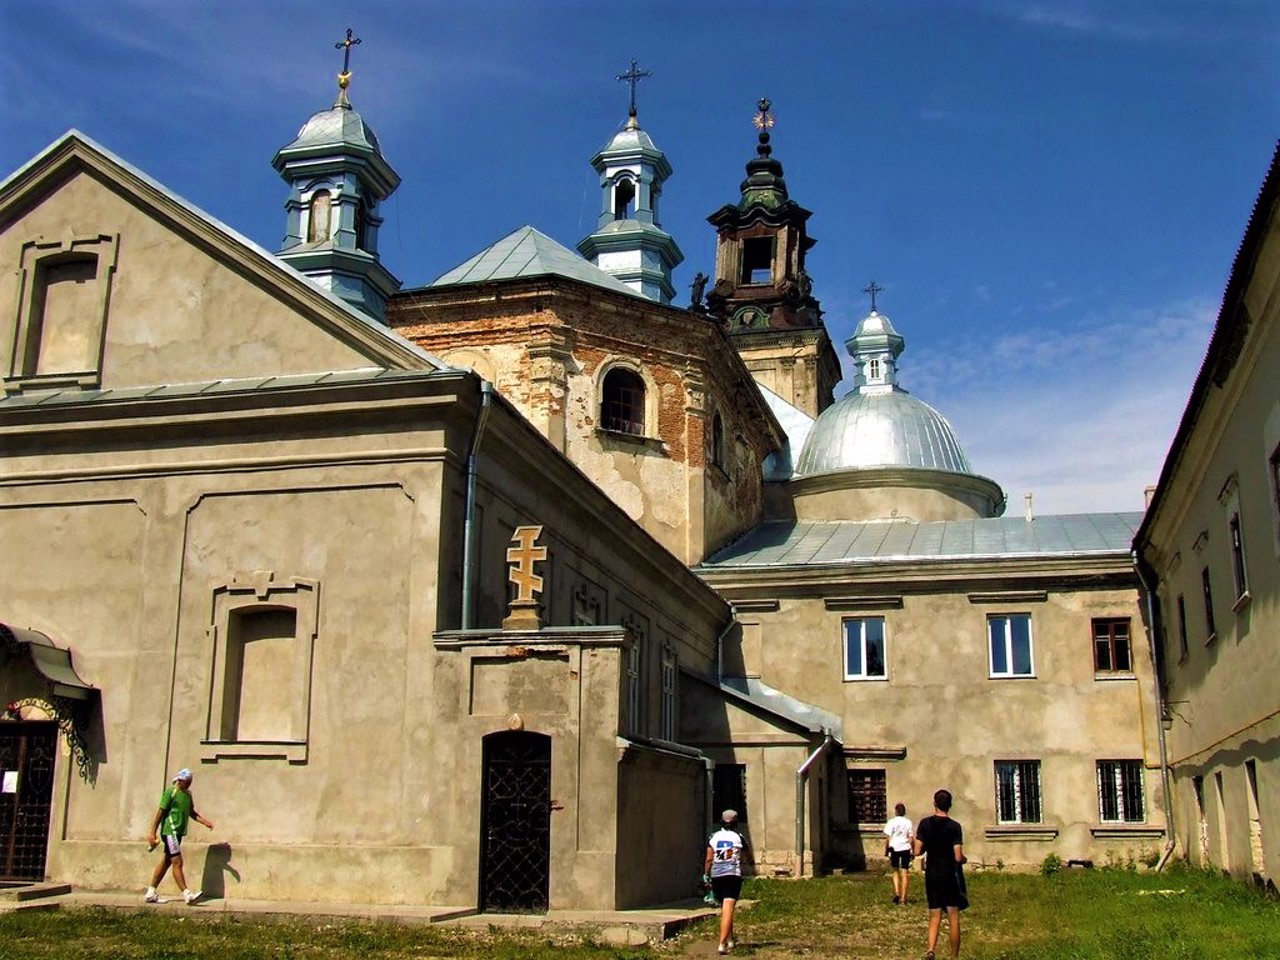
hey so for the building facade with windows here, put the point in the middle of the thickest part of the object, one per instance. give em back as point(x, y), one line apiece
point(1209, 549)
point(284, 489)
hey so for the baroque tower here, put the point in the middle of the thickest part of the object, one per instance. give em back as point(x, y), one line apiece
point(762, 290)
point(337, 177)
point(629, 241)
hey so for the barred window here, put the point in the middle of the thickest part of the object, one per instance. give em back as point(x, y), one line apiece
point(622, 402)
point(1018, 791)
point(867, 796)
point(1120, 792)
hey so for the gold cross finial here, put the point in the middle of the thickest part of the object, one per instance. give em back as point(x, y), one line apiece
point(764, 119)
point(522, 555)
point(345, 45)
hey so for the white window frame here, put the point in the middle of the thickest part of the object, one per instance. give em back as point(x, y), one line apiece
point(1009, 671)
point(1019, 768)
point(845, 638)
point(1111, 781)
point(670, 665)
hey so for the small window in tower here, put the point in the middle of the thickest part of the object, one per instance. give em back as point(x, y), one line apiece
point(873, 370)
point(624, 195)
point(717, 440)
point(362, 227)
point(622, 402)
point(757, 260)
point(318, 221)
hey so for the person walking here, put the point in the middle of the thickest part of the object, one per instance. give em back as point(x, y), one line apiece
point(899, 834)
point(723, 868)
point(177, 807)
point(941, 839)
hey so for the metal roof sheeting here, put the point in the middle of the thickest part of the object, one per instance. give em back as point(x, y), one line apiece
point(798, 544)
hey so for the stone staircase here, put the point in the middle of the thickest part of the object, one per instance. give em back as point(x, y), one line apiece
point(32, 896)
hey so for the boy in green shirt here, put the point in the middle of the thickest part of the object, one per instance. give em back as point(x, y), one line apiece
point(177, 807)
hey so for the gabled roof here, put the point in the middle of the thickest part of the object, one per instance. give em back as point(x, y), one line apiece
point(812, 543)
point(376, 341)
point(529, 253)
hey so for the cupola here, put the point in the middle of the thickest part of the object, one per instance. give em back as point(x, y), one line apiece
point(338, 177)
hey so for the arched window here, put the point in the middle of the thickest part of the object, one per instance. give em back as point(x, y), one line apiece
point(318, 221)
point(624, 195)
point(622, 402)
point(873, 370)
point(717, 440)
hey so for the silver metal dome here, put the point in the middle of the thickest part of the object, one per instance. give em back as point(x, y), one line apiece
point(889, 429)
point(878, 424)
point(339, 126)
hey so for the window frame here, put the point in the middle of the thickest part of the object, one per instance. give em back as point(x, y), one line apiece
point(631, 398)
point(862, 674)
point(1120, 776)
point(878, 806)
point(1210, 623)
point(729, 789)
point(1021, 813)
point(1111, 641)
point(669, 702)
point(1009, 672)
point(1239, 569)
point(1183, 648)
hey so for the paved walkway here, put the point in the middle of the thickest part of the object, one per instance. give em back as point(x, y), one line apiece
point(630, 927)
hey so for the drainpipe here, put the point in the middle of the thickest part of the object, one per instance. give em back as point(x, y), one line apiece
point(469, 510)
point(1152, 640)
point(733, 618)
point(802, 775)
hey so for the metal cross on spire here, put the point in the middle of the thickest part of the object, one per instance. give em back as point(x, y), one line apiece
point(764, 119)
point(345, 45)
point(873, 288)
point(633, 76)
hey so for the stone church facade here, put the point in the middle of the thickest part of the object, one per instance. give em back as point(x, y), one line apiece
point(263, 505)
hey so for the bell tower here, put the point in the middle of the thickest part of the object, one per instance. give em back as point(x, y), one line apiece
point(629, 241)
point(762, 291)
point(337, 178)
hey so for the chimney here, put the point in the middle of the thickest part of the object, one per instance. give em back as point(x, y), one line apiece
point(1148, 494)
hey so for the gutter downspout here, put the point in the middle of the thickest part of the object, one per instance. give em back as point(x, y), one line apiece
point(733, 619)
point(469, 510)
point(802, 775)
point(1152, 640)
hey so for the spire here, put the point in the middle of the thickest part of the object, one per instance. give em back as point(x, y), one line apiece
point(337, 178)
point(629, 241)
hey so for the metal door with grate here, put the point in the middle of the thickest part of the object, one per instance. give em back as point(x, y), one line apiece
point(27, 751)
point(515, 823)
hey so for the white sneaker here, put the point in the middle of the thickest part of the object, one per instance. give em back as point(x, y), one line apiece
point(191, 896)
point(151, 896)
point(722, 949)
point(731, 943)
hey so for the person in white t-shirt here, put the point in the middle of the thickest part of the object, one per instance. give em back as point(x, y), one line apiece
point(723, 870)
point(898, 834)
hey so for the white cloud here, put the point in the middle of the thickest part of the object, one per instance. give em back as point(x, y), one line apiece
point(1082, 416)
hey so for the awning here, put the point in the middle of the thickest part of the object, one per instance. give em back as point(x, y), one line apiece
point(50, 661)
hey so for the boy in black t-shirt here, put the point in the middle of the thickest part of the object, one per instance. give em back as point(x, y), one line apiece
point(941, 840)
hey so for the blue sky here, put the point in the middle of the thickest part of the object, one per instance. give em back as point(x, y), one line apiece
point(1051, 193)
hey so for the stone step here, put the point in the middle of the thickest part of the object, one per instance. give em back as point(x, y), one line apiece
point(27, 892)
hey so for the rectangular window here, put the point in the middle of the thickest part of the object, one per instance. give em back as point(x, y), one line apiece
point(757, 260)
point(1018, 791)
point(1182, 627)
point(868, 798)
point(1010, 644)
point(864, 649)
point(1237, 557)
point(633, 688)
point(1111, 646)
point(729, 789)
point(1208, 605)
point(668, 731)
point(1120, 791)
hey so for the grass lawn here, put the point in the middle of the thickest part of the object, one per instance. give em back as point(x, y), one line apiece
point(1073, 915)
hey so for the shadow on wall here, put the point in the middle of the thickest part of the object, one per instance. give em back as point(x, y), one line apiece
point(217, 864)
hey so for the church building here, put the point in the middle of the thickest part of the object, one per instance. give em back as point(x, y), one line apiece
point(486, 592)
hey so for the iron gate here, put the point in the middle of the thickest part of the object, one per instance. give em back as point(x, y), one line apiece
point(515, 822)
point(27, 751)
